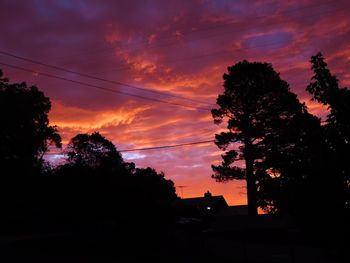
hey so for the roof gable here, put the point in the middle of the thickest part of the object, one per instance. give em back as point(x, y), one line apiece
point(211, 201)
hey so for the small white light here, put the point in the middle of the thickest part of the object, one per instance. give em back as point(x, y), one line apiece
point(208, 208)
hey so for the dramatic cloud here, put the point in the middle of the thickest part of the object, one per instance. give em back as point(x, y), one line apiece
point(179, 50)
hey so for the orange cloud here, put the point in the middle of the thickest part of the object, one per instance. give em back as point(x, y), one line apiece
point(86, 120)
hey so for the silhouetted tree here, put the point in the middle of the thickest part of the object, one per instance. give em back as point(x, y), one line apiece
point(25, 131)
point(25, 136)
point(94, 178)
point(325, 89)
point(93, 150)
point(153, 186)
point(259, 108)
point(290, 176)
point(99, 185)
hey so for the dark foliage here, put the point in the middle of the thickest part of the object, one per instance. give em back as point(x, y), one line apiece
point(109, 188)
point(25, 132)
point(325, 89)
point(259, 110)
point(292, 180)
point(93, 151)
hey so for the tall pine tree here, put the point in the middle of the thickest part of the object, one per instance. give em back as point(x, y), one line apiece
point(258, 108)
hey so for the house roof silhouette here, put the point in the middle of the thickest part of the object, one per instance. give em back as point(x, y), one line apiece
point(207, 201)
point(207, 207)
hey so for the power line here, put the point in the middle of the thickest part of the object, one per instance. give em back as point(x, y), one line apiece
point(167, 146)
point(102, 88)
point(155, 147)
point(100, 79)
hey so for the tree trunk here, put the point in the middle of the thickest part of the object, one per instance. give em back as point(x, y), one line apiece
point(251, 182)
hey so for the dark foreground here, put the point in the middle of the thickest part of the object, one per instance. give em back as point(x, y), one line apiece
point(247, 240)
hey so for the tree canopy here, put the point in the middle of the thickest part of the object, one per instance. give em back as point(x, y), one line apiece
point(94, 151)
point(96, 171)
point(324, 88)
point(25, 131)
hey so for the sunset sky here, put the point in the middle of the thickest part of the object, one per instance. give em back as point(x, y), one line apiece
point(177, 49)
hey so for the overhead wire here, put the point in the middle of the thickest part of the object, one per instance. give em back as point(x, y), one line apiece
point(100, 79)
point(167, 146)
point(153, 147)
point(102, 88)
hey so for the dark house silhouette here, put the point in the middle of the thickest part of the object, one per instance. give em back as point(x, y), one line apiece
point(207, 206)
point(228, 233)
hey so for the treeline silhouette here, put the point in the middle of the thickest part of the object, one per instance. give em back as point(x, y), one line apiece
point(295, 166)
point(95, 192)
